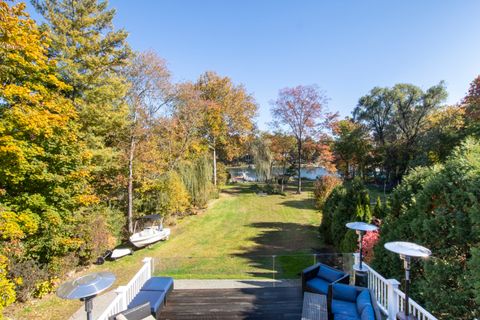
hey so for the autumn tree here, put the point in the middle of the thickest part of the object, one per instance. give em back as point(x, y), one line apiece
point(302, 110)
point(44, 166)
point(262, 156)
point(471, 104)
point(182, 130)
point(282, 147)
point(445, 129)
point(227, 118)
point(397, 117)
point(90, 54)
point(317, 151)
point(351, 147)
point(149, 90)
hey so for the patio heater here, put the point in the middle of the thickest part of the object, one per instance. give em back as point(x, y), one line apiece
point(407, 250)
point(86, 288)
point(361, 276)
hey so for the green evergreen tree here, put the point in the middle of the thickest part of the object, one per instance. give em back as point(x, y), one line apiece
point(90, 55)
point(378, 209)
point(438, 207)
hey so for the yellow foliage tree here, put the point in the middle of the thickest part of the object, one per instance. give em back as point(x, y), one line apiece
point(227, 117)
point(44, 168)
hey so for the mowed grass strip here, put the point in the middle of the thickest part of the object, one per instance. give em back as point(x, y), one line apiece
point(234, 239)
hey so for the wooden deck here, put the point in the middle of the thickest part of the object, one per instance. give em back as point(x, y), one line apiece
point(245, 303)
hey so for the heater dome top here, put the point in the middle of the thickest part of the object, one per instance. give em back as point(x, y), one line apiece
point(86, 286)
point(408, 249)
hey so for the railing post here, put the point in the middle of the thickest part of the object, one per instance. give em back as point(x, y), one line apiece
point(273, 269)
point(356, 258)
point(149, 261)
point(122, 292)
point(392, 284)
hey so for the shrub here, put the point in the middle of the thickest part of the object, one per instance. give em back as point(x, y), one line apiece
point(350, 202)
point(439, 208)
point(45, 287)
point(7, 286)
point(370, 240)
point(379, 209)
point(353, 206)
point(396, 224)
point(349, 242)
point(27, 274)
point(166, 196)
point(95, 240)
point(197, 176)
point(222, 174)
point(323, 188)
point(329, 208)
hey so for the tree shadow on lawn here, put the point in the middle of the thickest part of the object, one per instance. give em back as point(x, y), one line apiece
point(300, 204)
point(239, 188)
point(283, 250)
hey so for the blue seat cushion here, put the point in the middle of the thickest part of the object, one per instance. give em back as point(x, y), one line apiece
point(344, 292)
point(154, 297)
point(329, 274)
point(363, 300)
point(318, 285)
point(158, 284)
point(368, 313)
point(345, 317)
point(344, 307)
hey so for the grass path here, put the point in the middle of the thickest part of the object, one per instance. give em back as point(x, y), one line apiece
point(234, 238)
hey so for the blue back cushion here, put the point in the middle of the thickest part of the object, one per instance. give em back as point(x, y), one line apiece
point(329, 274)
point(363, 300)
point(158, 284)
point(344, 292)
point(318, 285)
point(367, 313)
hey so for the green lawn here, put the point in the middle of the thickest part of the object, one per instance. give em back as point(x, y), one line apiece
point(238, 235)
point(235, 238)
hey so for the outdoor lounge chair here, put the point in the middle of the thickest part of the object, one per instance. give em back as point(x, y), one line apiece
point(155, 292)
point(346, 302)
point(141, 312)
point(318, 277)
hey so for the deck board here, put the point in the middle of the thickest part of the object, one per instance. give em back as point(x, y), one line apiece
point(244, 303)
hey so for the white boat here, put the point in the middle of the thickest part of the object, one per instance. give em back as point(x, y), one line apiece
point(151, 233)
point(120, 252)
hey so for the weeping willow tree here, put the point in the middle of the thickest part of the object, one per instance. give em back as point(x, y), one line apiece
point(197, 177)
point(262, 158)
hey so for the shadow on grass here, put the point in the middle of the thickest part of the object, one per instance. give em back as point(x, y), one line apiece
point(239, 188)
point(283, 250)
point(299, 204)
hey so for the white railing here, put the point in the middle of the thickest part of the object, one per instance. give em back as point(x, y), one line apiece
point(390, 298)
point(125, 294)
point(414, 308)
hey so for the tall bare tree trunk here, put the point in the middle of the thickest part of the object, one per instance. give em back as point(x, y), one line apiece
point(299, 186)
point(130, 184)
point(214, 167)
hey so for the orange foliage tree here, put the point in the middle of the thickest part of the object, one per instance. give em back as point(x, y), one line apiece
point(302, 110)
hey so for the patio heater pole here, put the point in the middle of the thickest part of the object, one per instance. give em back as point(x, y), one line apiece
point(407, 250)
point(361, 273)
point(88, 306)
point(360, 239)
point(406, 265)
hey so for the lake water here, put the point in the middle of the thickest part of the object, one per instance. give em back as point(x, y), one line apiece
point(310, 173)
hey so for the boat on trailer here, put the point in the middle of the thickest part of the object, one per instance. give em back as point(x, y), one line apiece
point(153, 231)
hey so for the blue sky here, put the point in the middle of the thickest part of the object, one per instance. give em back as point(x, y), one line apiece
point(345, 47)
